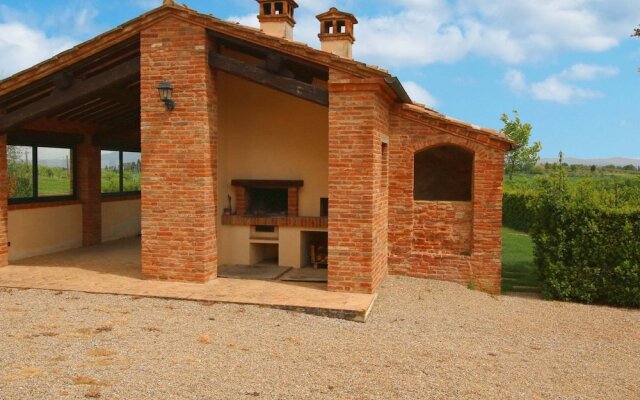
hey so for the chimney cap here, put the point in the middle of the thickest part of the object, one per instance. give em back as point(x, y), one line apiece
point(293, 3)
point(334, 13)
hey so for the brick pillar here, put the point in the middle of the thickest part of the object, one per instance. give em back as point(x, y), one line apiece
point(488, 172)
point(178, 154)
point(4, 197)
point(358, 121)
point(88, 180)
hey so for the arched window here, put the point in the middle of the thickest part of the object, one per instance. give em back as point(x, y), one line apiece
point(443, 173)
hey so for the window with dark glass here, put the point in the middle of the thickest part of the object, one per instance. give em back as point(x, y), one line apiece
point(38, 173)
point(120, 172)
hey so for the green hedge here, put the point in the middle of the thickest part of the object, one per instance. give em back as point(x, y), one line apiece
point(585, 252)
point(515, 211)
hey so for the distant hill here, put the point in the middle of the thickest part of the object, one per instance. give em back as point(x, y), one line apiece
point(617, 161)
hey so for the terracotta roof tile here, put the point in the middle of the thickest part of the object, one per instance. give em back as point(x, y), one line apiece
point(428, 112)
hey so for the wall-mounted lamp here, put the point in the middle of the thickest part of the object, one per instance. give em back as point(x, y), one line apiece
point(166, 91)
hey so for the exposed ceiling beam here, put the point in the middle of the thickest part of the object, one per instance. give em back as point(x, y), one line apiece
point(262, 76)
point(318, 70)
point(60, 126)
point(127, 140)
point(79, 91)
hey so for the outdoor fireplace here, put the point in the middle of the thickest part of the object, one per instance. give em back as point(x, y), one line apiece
point(267, 198)
point(267, 202)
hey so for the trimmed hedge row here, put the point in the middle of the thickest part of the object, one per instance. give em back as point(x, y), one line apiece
point(515, 211)
point(584, 252)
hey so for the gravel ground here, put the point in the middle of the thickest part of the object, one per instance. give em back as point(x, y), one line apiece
point(424, 339)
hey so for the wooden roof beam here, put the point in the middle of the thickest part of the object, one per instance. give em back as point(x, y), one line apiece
point(261, 76)
point(79, 91)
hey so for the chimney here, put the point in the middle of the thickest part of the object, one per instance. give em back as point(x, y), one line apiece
point(276, 17)
point(336, 32)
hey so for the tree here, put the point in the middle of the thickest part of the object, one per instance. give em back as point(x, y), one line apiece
point(523, 157)
point(636, 32)
point(593, 168)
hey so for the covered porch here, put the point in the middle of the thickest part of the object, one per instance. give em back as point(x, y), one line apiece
point(247, 163)
point(114, 268)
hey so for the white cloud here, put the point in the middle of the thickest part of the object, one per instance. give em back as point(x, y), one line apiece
point(556, 90)
point(246, 20)
point(558, 87)
point(419, 94)
point(586, 72)
point(26, 40)
point(515, 80)
point(421, 32)
point(74, 21)
point(23, 47)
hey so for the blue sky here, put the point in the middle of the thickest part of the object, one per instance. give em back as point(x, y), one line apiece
point(568, 66)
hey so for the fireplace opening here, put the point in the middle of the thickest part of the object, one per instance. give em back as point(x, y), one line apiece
point(268, 202)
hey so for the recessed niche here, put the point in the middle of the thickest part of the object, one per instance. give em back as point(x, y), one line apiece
point(264, 254)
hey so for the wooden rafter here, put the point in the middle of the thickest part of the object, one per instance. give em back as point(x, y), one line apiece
point(79, 91)
point(262, 76)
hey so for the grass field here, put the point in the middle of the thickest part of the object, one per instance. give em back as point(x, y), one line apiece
point(55, 186)
point(519, 274)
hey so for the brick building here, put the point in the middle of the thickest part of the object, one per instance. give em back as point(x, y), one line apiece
point(220, 144)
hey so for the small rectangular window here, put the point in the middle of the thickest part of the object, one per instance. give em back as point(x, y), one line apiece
point(120, 172)
point(131, 171)
point(55, 176)
point(40, 173)
point(110, 171)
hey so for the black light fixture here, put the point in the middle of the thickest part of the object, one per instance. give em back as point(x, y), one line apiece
point(166, 90)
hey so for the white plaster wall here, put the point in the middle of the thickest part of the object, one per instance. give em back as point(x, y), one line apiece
point(120, 219)
point(266, 134)
point(38, 231)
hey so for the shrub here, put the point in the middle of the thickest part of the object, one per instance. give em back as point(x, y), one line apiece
point(515, 210)
point(585, 250)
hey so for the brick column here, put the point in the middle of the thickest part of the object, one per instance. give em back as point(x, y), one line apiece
point(488, 172)
point(358, 120)
point(178, 154)
point(4, 197)
point(89, 191)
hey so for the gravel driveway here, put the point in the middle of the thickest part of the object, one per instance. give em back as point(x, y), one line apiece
point(424, 339)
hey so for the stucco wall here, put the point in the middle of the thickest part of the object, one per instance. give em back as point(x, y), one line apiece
point(37, 231)
point(237, 243)
point(120, 219)
point(265, 134)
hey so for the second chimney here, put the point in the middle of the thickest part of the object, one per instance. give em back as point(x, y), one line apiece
point(336, 32)
point(276, 17)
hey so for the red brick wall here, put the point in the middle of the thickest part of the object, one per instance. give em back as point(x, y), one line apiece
point(423, 241)
point(241, 200)
point(442, 227)
point(292, 202)
point(178, 154)
point(4, 198)
point(358, 121)
point(89, 191)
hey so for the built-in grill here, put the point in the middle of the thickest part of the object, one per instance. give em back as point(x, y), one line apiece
point(267, 198)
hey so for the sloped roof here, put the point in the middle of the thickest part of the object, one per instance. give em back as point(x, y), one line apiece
point(256, 36)
point(427, 113)
point(136, 25)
